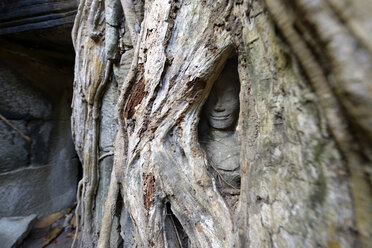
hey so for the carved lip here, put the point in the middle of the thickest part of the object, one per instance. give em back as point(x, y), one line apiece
point(220, 117)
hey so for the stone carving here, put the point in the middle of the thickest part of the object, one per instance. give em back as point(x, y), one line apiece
point(217, 128)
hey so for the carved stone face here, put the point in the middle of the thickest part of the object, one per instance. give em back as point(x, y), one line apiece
point(222, 106)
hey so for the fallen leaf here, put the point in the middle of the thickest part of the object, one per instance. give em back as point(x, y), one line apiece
point(48, 220)
point(70, 235)
point(73, 221)
point(54, 233)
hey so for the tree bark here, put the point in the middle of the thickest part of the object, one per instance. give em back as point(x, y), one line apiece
point(304, 127)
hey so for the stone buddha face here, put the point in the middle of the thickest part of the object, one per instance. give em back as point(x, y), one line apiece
point(222, 106)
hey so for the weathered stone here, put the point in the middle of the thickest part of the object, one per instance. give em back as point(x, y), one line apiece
point(40, 132)
point(121, 70)
point(108, 124)
point(44, 189)
point(14, 229)
point(127, 41)
point(28, 189)
point(113, 15)
point(19, 100)
point(128, 232)
point(39, 190)
point(217, 128)
point(25, 15)
point(115, 237)
point(105, 168)
point(14, 150)
point(36, 61)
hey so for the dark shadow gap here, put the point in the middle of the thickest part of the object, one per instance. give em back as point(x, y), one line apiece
point(175, 234)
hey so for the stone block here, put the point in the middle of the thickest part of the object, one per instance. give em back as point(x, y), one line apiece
point(14, 150)
point(19, 99)
point(105, 168)
point(108, 125)
point(40, 190)
point(14, 229)
point(40, 132)
point(24, 15)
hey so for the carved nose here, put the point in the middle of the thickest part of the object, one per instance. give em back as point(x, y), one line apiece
point(219, 108)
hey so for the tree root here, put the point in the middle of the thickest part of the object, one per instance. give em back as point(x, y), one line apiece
point(333, 113)
point(110, 207)
point(93, 19)
point(105, 155)
point(78, 198)
point(88, 185)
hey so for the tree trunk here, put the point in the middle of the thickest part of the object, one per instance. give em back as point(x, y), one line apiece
point(304, 124)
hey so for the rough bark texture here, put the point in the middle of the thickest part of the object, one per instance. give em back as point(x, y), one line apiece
point(304, 124)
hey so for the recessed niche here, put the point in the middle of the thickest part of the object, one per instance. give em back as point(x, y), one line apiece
point(217, 130)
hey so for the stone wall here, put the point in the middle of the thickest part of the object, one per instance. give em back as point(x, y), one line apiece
point(36, 76)
point(24, 15)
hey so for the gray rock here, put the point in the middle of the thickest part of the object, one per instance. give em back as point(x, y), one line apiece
point(127, 40)
point(105, 168)
point(14, 150)
point(128, 233)
point(14, 229)
point(121, 70)
point(24, 15)
point(40, 177)
point(40, 132)
point(108, 130)
point(19, 99)
point(36, 74)
point(108, 125)
point(39, 190)
point(115, 237)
